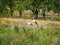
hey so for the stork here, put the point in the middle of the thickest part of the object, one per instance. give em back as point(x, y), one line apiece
point(30, 24)
point(34, 21)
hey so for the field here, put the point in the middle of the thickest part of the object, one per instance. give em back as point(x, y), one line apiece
point(13, 34)
point(29, 36)
point(29, 22)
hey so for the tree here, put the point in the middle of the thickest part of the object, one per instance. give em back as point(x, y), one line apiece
point(20, 6)
point(44, 6)
point(35, 7)
point(2, 6)
point(10, 4)
point(56, 7)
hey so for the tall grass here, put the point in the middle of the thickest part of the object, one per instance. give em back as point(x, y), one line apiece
point(29, 36)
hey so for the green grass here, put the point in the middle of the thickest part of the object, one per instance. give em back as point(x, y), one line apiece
point(29, 36)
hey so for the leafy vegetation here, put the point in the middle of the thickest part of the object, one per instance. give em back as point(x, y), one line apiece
point(9, 6)
point(18, 33)
point(29, 36)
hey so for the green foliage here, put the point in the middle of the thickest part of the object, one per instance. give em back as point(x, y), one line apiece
point(29, 36)
point(19, 5)
point(56, 5)
point(2, 6)
point(6, 35)
point(11, 5)
point(8, 7)
point(16, 28)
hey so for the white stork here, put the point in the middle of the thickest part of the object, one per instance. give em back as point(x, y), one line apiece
point(30, 24)
point(34, 21)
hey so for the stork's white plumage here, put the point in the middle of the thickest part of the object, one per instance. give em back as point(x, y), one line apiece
point(34, 21)
point(30, 24)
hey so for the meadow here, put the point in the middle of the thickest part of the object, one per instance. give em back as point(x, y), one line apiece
point(29, 22)
point(15, 35)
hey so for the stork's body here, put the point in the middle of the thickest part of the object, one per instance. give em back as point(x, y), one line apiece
point(33, 23)
point(30, 24)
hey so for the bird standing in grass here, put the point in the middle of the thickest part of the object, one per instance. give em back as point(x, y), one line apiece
point(34, 22)
point(30, 24)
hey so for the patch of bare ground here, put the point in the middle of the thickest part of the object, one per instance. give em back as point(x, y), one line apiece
point(24, 22)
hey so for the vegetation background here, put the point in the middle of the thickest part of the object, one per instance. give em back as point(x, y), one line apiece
point(15, 16)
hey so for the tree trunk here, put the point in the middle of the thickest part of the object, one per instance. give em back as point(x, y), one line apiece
point(58, 14)
point(11, 13)
point(35, 12)
point(20, 13)
point(36, 16)
point(43, 13)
